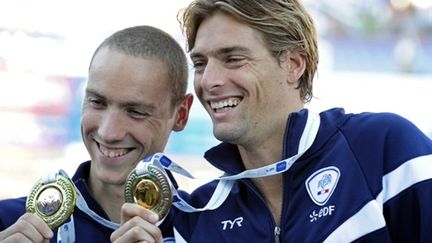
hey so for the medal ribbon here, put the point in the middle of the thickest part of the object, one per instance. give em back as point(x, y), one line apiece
point(226, 183)
point(66, 232)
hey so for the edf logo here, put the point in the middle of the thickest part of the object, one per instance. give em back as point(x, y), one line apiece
point(230, 223)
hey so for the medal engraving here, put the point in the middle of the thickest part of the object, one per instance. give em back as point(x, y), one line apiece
point(151, 190)
point(54, 202)
point(147, 193)
point(49, 201)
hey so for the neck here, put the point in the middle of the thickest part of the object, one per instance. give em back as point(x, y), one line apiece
point(270, 187)
point(109, 197)
point(261, 154)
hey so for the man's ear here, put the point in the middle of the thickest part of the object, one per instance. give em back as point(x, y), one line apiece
point(295, 64)
point(182, 113)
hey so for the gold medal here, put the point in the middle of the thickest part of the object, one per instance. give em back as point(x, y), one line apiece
point(150, 189)
point(53, 201)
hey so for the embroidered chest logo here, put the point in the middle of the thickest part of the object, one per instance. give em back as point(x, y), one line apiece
point(321, 184)
point(229, 224)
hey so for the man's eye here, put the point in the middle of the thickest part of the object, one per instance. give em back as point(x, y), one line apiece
point(235, 59)
point(138, 114)
point(198, 65)
point(95, 102)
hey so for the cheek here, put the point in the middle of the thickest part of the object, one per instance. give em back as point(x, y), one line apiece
point(163, 129)
point(146, 131)
point(89, 120)
point(197, 85)
point(86, 127)
point(198, 90)
point(84, 121)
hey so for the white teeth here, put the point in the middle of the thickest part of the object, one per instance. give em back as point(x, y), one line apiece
point(113, 153)
point(225, 105)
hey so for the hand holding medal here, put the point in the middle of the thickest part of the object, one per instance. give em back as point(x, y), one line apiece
point(53, 199)
point(148, 186)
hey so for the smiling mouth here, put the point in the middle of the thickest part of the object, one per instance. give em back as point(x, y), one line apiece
point(113, 153)
point(225, 105)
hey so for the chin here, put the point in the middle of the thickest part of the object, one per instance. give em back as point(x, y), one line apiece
point(225, 135)
point(113, 178)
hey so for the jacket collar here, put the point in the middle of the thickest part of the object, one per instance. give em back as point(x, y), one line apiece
point(226, 156)
point(80, 179)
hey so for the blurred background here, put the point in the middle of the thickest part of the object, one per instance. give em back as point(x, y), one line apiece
point(375, 55)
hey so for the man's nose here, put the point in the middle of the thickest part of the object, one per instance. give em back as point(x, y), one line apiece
point(111, 127)
point(213, 76)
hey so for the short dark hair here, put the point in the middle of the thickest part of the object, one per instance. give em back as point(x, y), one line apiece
point(152, 43)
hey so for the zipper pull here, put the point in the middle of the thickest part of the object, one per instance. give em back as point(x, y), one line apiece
point(277, 232)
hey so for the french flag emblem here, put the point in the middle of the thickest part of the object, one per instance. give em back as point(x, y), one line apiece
point(322, 183)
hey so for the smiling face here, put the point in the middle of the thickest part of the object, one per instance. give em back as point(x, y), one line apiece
point(247, 92)
point(127, 113)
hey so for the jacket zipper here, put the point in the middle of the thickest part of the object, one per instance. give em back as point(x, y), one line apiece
point(277, 234)
point(277, 229)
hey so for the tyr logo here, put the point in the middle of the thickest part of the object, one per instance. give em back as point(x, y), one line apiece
point(228, 224)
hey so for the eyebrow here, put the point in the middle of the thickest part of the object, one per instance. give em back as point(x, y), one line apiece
point(126, 104)
point(223, 51)
point(90, 92)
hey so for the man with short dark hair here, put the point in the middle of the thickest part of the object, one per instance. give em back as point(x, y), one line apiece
point(135, 96)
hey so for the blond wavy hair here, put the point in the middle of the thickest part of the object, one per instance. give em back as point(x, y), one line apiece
point(285, 25)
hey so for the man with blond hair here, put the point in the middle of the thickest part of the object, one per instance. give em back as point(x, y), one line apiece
point(293, 175)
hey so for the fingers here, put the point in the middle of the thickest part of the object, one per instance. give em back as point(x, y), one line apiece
point(137, 230)
point(138, 225)
point(28, 228)
point(130, 210)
